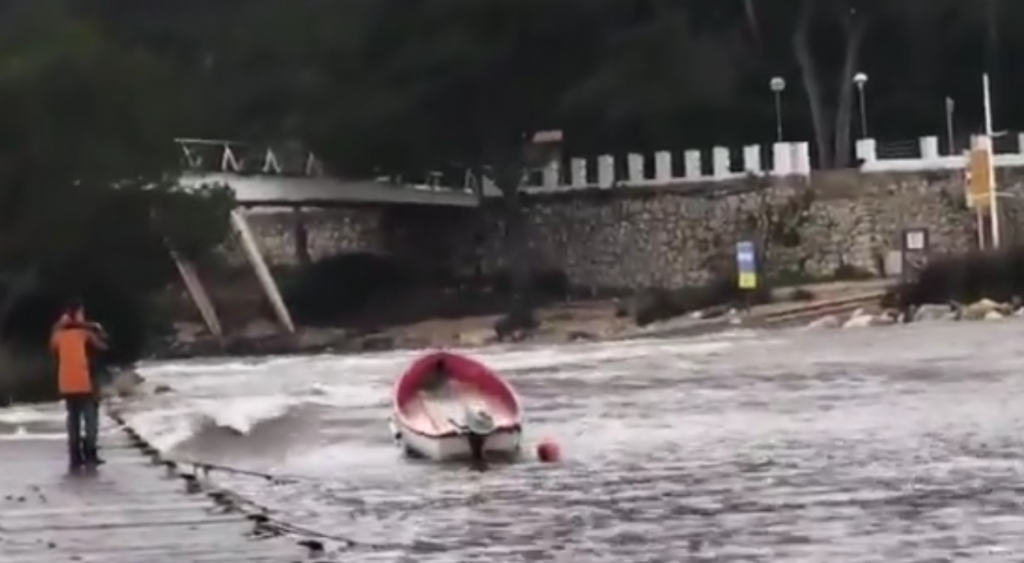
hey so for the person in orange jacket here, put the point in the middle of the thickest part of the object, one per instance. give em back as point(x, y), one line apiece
point(71, 340)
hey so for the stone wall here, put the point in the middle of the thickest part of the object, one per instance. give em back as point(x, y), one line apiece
point(668, 237)
point(629, 239)
point(419, 236)
point(328, 232)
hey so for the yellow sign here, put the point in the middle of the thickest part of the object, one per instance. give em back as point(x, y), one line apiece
point(980, 180)
point(748, 280)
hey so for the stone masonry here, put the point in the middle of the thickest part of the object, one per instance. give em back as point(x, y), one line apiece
point(630, 238)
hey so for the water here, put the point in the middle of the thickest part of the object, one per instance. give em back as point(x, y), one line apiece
point(898, 444)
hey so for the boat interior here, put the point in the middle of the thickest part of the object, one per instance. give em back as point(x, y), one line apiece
point(441, 402)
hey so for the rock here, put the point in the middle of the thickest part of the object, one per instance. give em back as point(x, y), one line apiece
point(979, 310)
point(828, 321)
point(162, 389)
point(188, 332)
point(319, 340)
point(933, 312)
point(582, 336)
point(480, 337)
point(993, 316)
point(377, 343)
point(516, 325)
point(648, 306)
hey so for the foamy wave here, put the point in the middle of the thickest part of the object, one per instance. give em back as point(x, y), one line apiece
point(16, 416)
point(169, 428)
point(242, 414)
point(23, 435)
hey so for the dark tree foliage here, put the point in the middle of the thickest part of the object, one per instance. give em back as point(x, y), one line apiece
point(88, 201)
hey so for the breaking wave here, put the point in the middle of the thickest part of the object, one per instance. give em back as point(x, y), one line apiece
point(231, 426)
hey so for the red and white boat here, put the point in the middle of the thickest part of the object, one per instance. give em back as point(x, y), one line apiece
point(450, 407)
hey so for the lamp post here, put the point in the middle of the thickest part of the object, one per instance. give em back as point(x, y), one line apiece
point(950, 137)
point(860, 79)
point(778, 85)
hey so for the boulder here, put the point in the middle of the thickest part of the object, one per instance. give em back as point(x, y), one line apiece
point(993, 316)
point(933, 312)
point(979, 310)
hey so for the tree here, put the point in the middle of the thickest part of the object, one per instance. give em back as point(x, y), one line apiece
point(87, 163)
point(665, 66)
point(413, 85)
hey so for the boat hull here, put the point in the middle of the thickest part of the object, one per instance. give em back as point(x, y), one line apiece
point(503, 443)
point(448, 407)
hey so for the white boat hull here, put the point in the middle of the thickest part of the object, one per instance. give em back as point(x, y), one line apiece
point(503, 443)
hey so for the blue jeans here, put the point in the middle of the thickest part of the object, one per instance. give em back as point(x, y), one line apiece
point(83, 428)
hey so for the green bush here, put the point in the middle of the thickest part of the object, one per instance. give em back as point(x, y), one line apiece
point(992, 274)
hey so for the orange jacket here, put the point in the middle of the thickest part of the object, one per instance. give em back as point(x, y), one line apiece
point(70, 342)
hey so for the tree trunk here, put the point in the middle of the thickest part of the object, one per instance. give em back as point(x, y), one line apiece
point(520, 316)
point(855, 29)
point(812, 84)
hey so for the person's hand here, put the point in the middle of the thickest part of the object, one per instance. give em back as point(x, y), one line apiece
point(98, 329)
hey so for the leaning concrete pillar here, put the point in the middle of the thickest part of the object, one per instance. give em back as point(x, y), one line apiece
point(259, 266)
point(302, 256)
point(197, 292)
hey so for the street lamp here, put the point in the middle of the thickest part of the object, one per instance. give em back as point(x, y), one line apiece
point(950, 110)
point(860, 79)
point(778, 85)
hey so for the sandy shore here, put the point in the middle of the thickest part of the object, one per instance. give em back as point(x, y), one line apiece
point(569, 322)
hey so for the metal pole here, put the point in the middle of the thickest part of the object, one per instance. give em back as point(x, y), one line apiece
point(993, 199)
point(863, 112)
point(950, 137)
point(778, 116)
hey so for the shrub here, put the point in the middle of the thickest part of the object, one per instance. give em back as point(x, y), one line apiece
point(342, 285)
point(993, 274)
point(26, 376)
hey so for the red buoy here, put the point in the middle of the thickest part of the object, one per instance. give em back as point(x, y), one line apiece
point(548, 451)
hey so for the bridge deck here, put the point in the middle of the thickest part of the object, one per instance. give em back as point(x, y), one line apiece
point(130, 511)
point(259, 190)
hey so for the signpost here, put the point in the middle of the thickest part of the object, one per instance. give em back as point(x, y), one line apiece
point(981, 182)
point(746, 265)
point(914, 251)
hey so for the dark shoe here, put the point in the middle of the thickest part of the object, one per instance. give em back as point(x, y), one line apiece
point(91, 456)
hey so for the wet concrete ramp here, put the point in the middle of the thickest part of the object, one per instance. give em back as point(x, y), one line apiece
point(130, 511)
